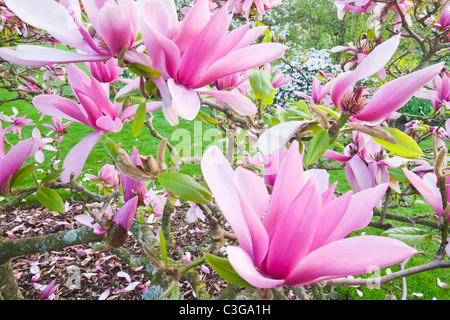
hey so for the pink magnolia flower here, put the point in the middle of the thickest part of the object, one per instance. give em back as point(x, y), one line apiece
point(113, 26)
point(107, 175)
point(95, 110)
point(319, 91)
point(367, 164)
point(156, 199)
point(443, 22)
point(390, 97)
point(43, 145)
point(11, 161)
point(132, 187)
point(57, 127)
point(105, 71)
point(278, 79)
point(359, 53)
point(245, 6)
point(17, 122)
point(440, 97)
point(297, 235)
point(195, 52)
point(427, 187)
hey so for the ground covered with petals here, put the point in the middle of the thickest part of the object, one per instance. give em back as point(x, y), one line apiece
point(102, 274)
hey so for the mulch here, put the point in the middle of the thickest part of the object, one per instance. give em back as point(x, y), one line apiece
point(86, 274)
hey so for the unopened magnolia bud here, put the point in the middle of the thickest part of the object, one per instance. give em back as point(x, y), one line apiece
point(117, 235)
point(150, 165)
point(124, 164)
point(161, 156)
point(441, 161)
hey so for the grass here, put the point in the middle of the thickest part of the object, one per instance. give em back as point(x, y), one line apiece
point(183, 137)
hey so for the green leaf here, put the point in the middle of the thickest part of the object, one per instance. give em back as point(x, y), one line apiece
point(405, 146)
point(50, 199)
point(408, 235)
point(398, 174)
point(128, 95)
point(316, 147)
point(185, 187)
point(261, 83)
point(205, 118)
point(162, 241)
point(139, 119)
point(21, 174)
point(52, 176)
point(110, 146)
point(143, 70)
point(224, 269)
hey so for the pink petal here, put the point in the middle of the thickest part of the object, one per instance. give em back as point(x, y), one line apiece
point(114, 25)
point(348, 257)
point(76, 158)
point(240, 60)
point(197, 56)
point(394, 94)
point(359, 212)
point(370, 65)
point(294, 232)
point(242, 263)
point(254, 201)
point(431, 194)
point(60, 107)
point(235, 100)
point(358, 175)
point(221, 180)
point(336, 156)
point(289, 182)
point(277, 136)
point(185, 101)
point(36, 56)
point(50, 16)
point(197, 18)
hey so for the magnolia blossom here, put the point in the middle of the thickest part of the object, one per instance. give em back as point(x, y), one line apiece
point(390, 97)
point(17, 122)
point(359, 52)
point(440, 97)
point(43, 145)
point(105, 71)
point(245, 6)
point(156, 199)
point(443, 22)
point(95, 110)
point(113, 26)
point(11, 161)
point(297, 235)
point(195, 52)
point(377, 9)
point(367, 164)
point(428, 188)
point(107, 175)
point(57, 127)
point(319, 91)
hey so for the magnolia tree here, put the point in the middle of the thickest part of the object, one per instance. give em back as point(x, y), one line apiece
point(274, 218)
